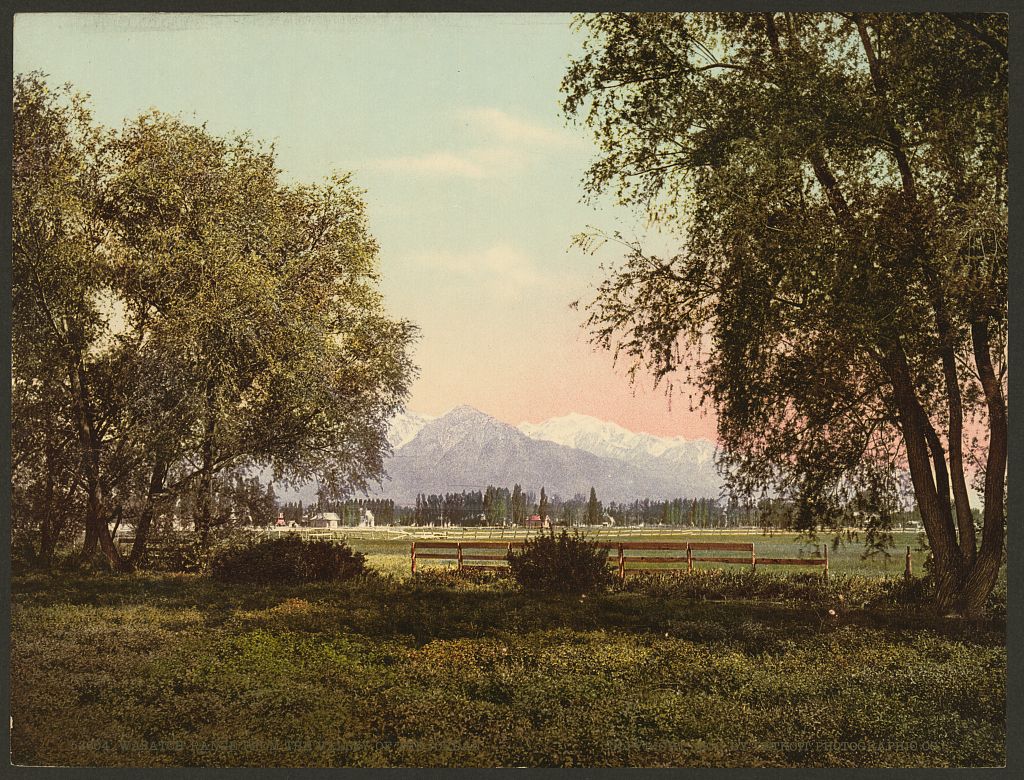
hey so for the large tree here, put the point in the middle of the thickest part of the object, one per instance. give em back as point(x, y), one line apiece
point(195, 314)
point(837, 183)
point(265, 296)
point(66, 378)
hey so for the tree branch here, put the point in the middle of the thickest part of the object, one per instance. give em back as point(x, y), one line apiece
point(993, 43)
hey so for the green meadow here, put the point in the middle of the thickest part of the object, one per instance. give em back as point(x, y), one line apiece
point(717, 668)
point(392, 555)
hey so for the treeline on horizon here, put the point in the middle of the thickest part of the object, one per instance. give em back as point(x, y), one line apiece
point(350, 511)
point(496, 506)
point(242, 500)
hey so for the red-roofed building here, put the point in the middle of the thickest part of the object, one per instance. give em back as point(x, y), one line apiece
point(534, 521)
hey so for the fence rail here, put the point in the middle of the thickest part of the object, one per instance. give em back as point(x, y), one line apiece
point(621, 555)
point(496, 533)
point(498, 537)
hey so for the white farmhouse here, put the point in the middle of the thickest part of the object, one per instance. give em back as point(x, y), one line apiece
point(325, 520)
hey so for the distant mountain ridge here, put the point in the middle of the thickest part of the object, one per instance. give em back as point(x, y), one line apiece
point(466, 449)
point(608, 439)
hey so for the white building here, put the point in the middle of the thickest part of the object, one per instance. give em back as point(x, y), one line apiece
point(325, 520)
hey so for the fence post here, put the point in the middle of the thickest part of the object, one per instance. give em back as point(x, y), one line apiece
point(689, 559)
point(458, 550)
point(826, 561)
point(412, 554)
point(909, 571)
point(753, 558)
point(622, 564)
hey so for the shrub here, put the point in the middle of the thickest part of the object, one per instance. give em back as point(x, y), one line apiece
point(183, 551)
point(915, 592)
point(996, 605)
point(562, 564)
point(288, 559)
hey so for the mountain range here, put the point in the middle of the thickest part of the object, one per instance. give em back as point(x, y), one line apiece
point(466, 449)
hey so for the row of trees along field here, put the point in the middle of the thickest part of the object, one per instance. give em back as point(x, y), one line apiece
point(350, 510)
point(497, 505)
point(837, 187)
point(180, 313)
point(695, 513)
point(493, 506)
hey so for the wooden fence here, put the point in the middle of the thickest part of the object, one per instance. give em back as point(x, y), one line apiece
point(494, 533)
point(478, 554)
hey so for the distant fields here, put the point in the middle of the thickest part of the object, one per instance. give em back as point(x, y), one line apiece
point(388, 552)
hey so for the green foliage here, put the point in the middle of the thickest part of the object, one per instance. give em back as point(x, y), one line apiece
point(208, 673)
point(518, 505)
point(594, 508)
point(837, 187)
point(542, 507)
point(839, 591)
point(180, 312)
point(560, 564)
point(185, 551)
point(288, 559)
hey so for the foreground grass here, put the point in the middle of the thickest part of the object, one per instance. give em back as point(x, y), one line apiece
point(178, 670)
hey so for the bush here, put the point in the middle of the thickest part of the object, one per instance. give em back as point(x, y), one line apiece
point(562, 564)
point(288, 559)
point(183, 551)
point(996, 605)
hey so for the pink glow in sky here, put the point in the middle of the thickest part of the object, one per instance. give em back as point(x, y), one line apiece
point(553, 376)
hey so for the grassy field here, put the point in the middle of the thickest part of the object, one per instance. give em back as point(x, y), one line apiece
point(387, 671)
point(392, 555)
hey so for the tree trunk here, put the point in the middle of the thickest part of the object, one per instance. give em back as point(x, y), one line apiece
point(91, 540)
point(96, 531)
point(949, 570)
point(97, 534)
point(47, 533)
point(956, 478)
point(939, 470)
point(964, 516)
point(47, 547)
point(205, 515)
point(982, 577)
point(959, 584)
point(156, 486)
point(96, 519)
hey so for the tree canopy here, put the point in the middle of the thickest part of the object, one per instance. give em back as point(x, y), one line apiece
point(180, 312)
point(837, 185)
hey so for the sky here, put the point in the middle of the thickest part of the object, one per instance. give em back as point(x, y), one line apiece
point(451, 123)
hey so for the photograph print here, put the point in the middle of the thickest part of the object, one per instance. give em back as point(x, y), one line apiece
point(619, 389)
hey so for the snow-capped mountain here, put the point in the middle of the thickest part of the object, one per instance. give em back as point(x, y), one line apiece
point(466, 449)
point(608, 439)
point(404, 427)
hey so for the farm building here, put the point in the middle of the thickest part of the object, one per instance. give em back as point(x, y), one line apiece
point(354, 516)
point(325, 520)
point(535, 521)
